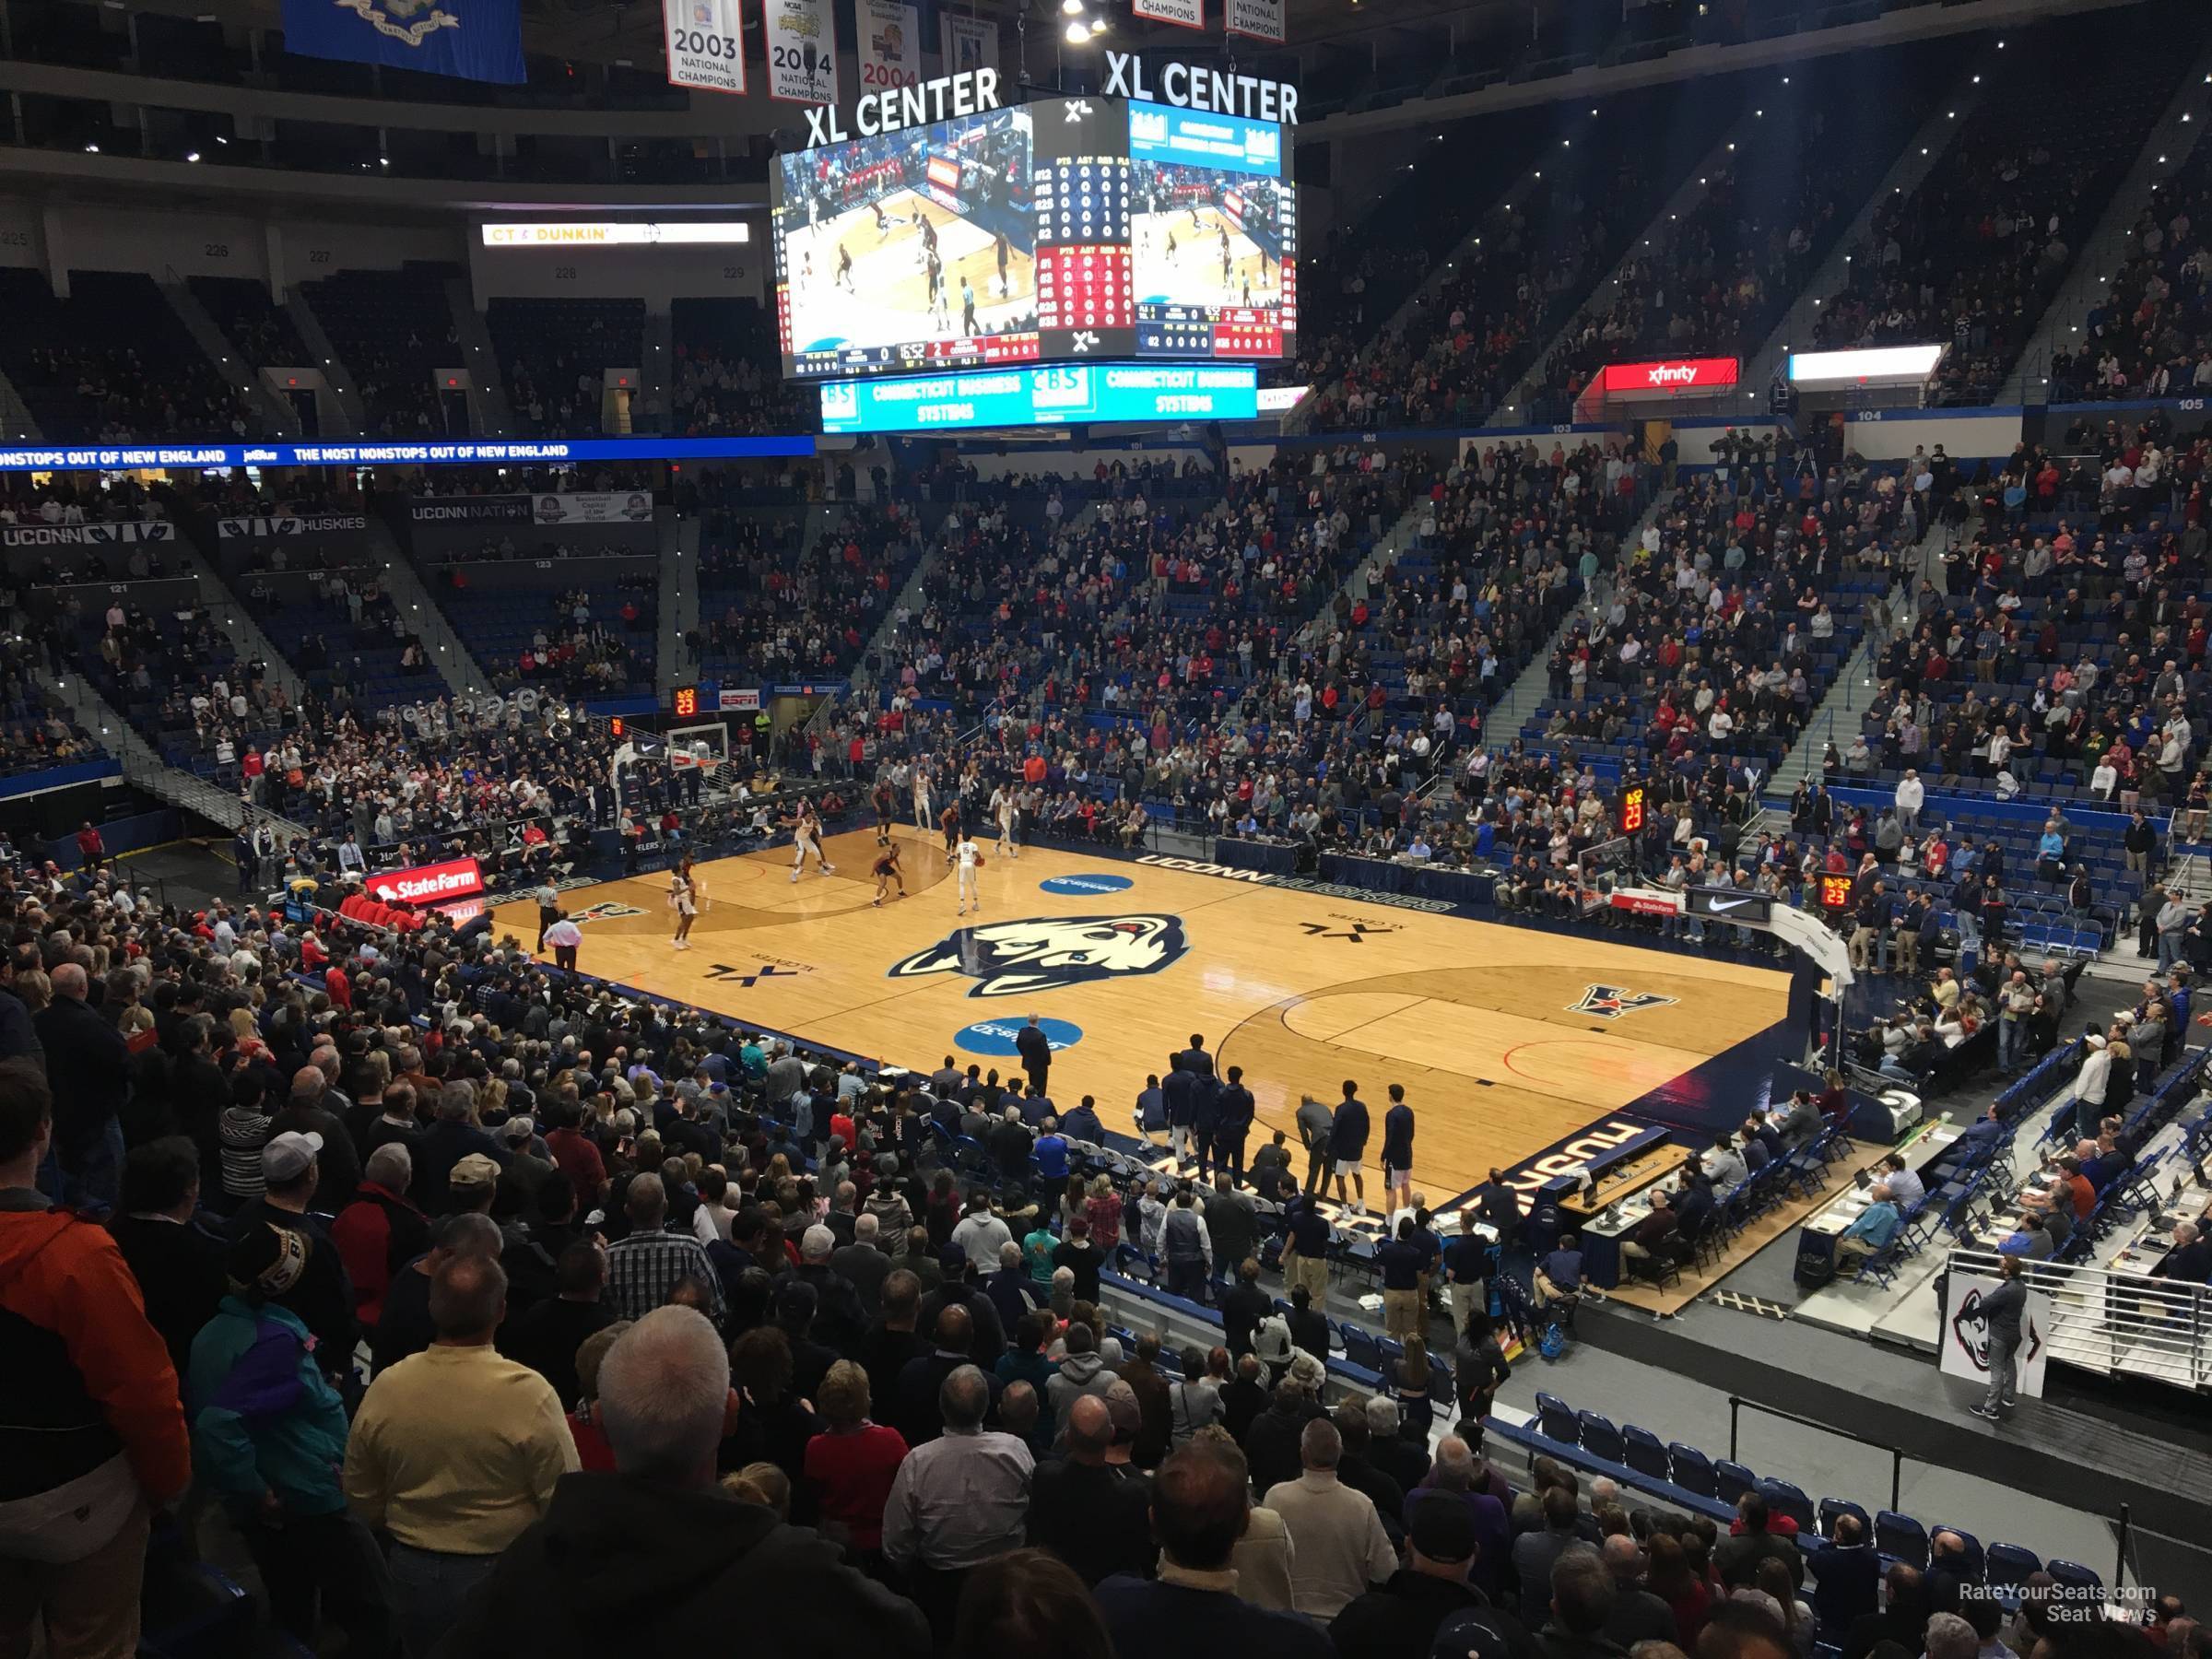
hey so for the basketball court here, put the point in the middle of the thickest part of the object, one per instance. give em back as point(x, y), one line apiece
point(1177, 263)
point(889, 297)
point(1508, 1039)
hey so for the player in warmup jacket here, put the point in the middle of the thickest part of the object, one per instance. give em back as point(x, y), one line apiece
point(685, 895)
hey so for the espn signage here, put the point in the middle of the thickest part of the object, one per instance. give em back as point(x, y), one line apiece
point(430, 884)
point(731, 700)
point(1669, 378)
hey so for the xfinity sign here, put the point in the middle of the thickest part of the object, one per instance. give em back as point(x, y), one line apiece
point(1668, 378)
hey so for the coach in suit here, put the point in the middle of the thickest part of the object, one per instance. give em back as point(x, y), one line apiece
point(1036, 1052)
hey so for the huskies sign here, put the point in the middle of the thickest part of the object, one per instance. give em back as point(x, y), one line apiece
point(1966, 1333)
point(1051, 953)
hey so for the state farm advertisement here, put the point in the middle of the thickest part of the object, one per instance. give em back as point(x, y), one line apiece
point(430, 884)
point(1669, 378)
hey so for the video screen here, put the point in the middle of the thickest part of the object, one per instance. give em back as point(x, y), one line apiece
point(1213, 235)
point(913, 250)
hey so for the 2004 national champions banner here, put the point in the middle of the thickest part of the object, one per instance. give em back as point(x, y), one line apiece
point(969, 44)
point(802, 51)
point(706, 43)
point(891, 44)
point(1256, 19)
point(473, 40)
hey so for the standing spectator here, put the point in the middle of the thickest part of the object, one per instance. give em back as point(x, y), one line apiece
point(1337, 1541)
point(456, 1451)
point(379, 1232)
point(644, 1270)
point(852, 1464)
point(1088, 1510)
point(2002, 1308)
point(269, 1440)
point(547, 1336)
point(178, 1263)
point(92, 1429)
point(654, 1548)
point(1402, 1615)
point(958, 1501)
point(88, 1068)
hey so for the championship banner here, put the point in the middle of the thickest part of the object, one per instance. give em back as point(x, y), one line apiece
point(706, 43)
point(802, 51)
point(1183, 14)
point(473, 39)
point(1256, 19)
point(970, 43)
point(891, 44)
point(430, 884)
point(635, 508)
point(1966, 1333)
point(86, 536)
point(310, 523)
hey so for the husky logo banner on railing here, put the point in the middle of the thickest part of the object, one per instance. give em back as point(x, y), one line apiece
point(1256, 19)
point(310, 523)
point(970, 43)
point(706, 43)
point(891, 44)
point(86, 536)
point(802, 51)
point(473, 39)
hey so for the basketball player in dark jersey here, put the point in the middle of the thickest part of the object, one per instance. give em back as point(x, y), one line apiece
point(887, 871)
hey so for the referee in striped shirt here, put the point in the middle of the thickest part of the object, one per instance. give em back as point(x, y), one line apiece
point(643, 1270)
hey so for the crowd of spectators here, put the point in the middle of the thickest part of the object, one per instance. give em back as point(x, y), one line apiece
point(556, 354)
point(2149, 335)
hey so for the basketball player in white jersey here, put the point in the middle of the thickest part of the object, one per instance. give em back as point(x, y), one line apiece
point(1006, 810)
point(808, 837)
point(967, 859)
point(921, 800)
point(684, 898)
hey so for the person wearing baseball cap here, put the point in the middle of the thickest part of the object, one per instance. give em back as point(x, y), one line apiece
point(324, 1297)
point(273, 1455)
point(1405, 1614)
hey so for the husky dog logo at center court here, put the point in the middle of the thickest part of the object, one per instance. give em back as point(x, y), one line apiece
point(1610, 1002)
point(1049, 953)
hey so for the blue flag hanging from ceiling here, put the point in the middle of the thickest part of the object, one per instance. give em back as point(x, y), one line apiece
point(475, 40)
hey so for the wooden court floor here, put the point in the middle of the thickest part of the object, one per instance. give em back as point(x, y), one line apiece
point(1507, 1040)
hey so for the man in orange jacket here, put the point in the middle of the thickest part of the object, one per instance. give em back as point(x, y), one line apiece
point(92, 1435)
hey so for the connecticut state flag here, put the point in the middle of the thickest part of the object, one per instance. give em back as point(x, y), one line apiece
point(475, 40)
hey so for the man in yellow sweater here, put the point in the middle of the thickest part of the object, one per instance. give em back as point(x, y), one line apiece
point(454, 1451)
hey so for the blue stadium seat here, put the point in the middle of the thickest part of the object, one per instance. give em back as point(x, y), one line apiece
point(1693, 1470)
point(1973, 1567)
point(1735, 1480)
point(1600, 1438)
point(1833, 1510)
point(1902, 1537)
point(1557, 1419)
point(1360, 1349)
point(2073, 1575)
point(1783, 1498)
point(2010, 1566)
point(1645, 1452)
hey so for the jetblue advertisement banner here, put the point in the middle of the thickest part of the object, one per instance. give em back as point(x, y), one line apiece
point(473, 39)
point(467, 451)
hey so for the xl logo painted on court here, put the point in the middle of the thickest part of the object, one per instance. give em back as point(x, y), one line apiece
point(1051, 953)
point(1610, 1002)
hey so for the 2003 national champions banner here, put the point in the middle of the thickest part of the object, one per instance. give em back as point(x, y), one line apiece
point(969, 44)
point(891, 44)
point(802, 51)
point(1257, 20)
point(474, 40)
point(706, 43)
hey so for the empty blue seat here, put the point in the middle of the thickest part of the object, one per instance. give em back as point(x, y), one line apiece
point(2073, 1575)
point(1783, 1498)
point(1693, 1470)
point(1735, 1480)
point(2010, 1566)
point(1644, 1453)
point(1902, 1537)
point(1557, 1419)
point(1360, 1349)
point(1833, 1510)
point(1600, 1438)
